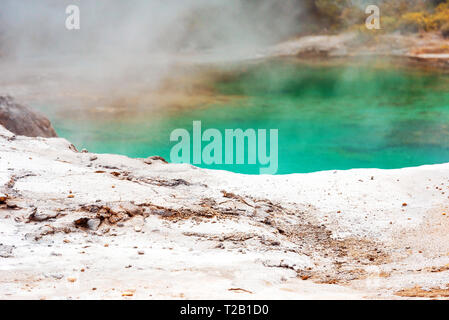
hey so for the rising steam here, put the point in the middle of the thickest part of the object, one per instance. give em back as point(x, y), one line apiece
point(142, 27)
point(130, 42)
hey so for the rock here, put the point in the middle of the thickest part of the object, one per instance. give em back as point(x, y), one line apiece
point(39, 215)
point(138, 223)
point(93, 158)
point(22, 120)
point(3, 197)
point(57, 276)
point(45, 231)
point(150, 160)
point(31, 236)
point(93, 224)
point(126, 210)
point(6, 251)
point(81, 223)
point(296, 266)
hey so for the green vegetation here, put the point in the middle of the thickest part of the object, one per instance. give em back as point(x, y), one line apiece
point(408, 16)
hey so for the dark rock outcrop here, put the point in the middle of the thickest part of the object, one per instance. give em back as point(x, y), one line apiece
point(23, 121)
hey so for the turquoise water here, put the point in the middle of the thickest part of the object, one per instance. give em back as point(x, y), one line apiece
point(328, 117)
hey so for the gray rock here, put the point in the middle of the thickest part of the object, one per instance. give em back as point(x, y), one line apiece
point(56, 254)
point(40, 215)
point(22, 120)
point(93, 224)
point(57, 276)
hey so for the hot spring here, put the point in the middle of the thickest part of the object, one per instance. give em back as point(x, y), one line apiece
point(328, 116)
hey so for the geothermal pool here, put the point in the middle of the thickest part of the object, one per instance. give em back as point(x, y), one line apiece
point(343, 116)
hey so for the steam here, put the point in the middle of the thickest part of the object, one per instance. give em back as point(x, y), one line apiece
point(129, 46)
point(143, 27)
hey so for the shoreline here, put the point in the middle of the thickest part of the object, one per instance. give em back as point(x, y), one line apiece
point(429, 49)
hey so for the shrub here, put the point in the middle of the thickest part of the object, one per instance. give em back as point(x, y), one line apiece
point(352, 16)
point(331, 10)
point(440, 18)
point(413, 22)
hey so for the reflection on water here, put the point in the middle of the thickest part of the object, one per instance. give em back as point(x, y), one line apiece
point(329, 117)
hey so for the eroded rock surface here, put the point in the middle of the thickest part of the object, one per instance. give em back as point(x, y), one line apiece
point(70, 225)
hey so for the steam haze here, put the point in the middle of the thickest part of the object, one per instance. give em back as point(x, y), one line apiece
point(32, 28)
point(125, 48)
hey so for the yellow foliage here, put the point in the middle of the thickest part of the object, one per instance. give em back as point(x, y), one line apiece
point(440, 17)
point(414, 21)
point(426, 21)
point(404, 15)
point(442, 7)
